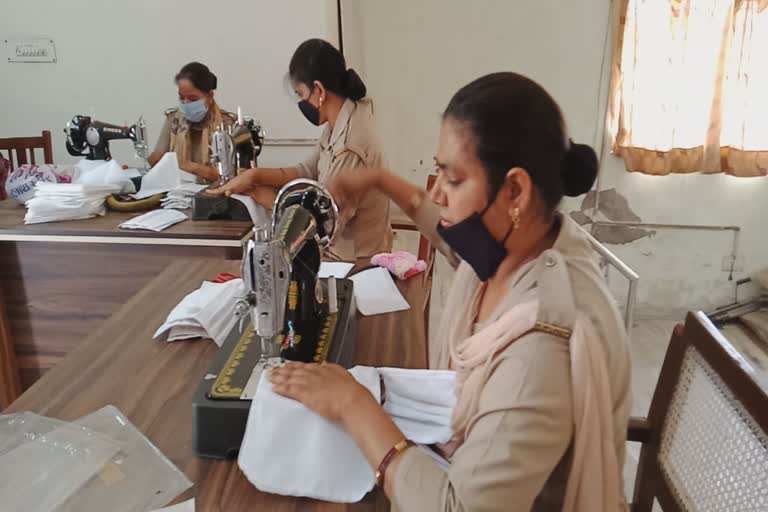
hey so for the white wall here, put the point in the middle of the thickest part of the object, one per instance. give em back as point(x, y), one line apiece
point(415, 55)
point(117, 60)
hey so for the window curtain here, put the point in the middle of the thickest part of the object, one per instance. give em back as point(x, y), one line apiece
point(689, 86)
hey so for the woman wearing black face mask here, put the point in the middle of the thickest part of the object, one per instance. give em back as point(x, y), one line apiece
point(330, 94)
point(529, 326)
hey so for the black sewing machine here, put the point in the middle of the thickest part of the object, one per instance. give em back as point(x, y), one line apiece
point(231, 150)
point(293, 314)
point(90, 138)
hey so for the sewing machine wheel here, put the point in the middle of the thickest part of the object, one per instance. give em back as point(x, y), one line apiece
point(298, 192)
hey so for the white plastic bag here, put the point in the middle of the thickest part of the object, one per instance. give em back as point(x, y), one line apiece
point(138, 478)
point(21, 182)
point(44, 461)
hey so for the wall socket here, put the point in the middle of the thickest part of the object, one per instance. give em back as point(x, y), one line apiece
point(732, 264)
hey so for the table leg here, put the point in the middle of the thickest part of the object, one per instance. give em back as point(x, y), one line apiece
point(10, 384)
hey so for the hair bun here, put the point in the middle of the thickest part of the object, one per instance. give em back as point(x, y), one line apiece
point(354, 88)
point(579, 169)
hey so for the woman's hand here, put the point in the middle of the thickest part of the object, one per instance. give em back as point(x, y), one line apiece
point(327, 389)
point(244, 183)
point(348, 187)
point(205, 172)
point(264, 196)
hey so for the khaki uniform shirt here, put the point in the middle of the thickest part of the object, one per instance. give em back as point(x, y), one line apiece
point(351, 147)
point(517, 455)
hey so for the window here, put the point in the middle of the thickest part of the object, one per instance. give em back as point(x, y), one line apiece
point(689, 86)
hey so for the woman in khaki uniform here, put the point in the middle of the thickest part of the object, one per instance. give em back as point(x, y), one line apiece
point(187, 129)
point(330, 94)
point(537, 426)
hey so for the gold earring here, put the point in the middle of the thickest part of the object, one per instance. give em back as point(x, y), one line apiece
point(515, 215)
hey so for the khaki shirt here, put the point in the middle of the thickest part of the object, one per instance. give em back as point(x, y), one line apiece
point(516, 457)
point(196, 134)
point(351, 147)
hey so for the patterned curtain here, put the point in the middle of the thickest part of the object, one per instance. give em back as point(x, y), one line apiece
point(689, 86)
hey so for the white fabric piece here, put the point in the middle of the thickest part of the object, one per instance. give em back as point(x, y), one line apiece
point(420, 402)
point(210, 308)
point(180, 198)
point(156, 220)
point(289, 450)
point(107, 173)
point(259, 215)
point(376, 293)
point(84, 166)
point(337, 269)
point(164, 176)
point(67, 201)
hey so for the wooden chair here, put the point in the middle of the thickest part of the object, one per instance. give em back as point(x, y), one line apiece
point(20, 146)
point(426, 253)
point(705, 441)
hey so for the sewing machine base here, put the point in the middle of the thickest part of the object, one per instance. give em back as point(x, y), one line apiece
point(219, 415)
point(209, 207)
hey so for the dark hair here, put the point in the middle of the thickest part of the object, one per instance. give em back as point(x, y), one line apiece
point(316, 59)
point(200, 76)
point(514, 122)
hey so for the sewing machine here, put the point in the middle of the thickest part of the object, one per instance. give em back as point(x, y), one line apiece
point(231, 150)
point(287, 313)
point(90, 138)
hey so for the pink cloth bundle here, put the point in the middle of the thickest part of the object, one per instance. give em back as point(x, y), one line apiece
point(401, 263)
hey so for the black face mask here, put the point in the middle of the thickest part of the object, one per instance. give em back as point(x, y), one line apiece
point(473, 243)
point(310, 111)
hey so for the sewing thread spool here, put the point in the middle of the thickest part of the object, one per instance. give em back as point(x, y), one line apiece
point(333, 306)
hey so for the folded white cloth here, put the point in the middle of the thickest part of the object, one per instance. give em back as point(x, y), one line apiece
point(180, 198)
point(156, 220)
point(164, 176)
point(207, 312)
point(288, 449)
point(420, 402)
point(67, 201)
point(376, 293)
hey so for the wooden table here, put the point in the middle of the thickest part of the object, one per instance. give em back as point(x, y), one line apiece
point(152, 383)
point(60, 280)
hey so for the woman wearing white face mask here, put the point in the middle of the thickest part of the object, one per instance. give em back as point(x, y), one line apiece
point(188, 127)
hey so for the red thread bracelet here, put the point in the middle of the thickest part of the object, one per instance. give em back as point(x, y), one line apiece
point(398, 448)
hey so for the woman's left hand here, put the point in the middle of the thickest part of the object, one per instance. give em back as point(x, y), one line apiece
point(327, 389)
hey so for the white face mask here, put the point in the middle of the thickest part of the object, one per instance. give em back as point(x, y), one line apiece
point(194, 111)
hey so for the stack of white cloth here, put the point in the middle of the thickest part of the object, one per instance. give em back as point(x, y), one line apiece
point(208, 312)
point(180, 198)
point(156, 220)
point(323, 461)
point(67, 201)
